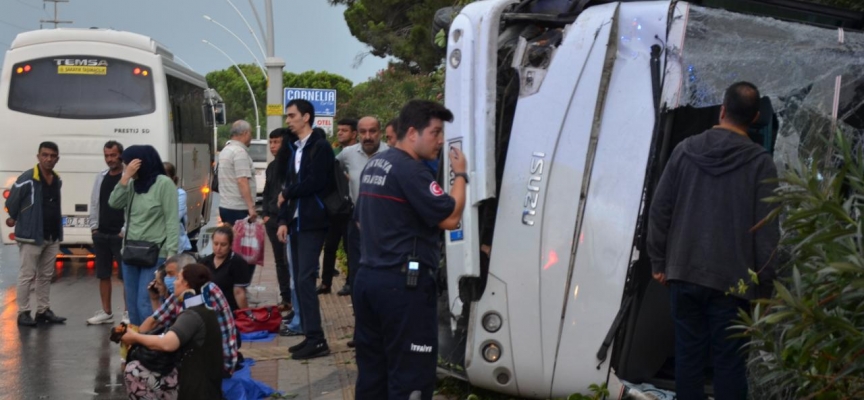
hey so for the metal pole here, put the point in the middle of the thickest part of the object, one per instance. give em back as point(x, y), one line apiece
point(257, 19)
point(257, 61)
point(274, 69)
point(270, 34)
point(251, 92)
point(248, 26)
point(215, 127)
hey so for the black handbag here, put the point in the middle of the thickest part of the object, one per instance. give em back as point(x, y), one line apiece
point(161, 362)
point(139, 253)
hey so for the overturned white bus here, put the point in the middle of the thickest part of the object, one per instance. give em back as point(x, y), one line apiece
point(567, 117)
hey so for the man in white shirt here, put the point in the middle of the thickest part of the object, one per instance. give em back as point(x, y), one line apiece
point(353, 159)
point(236, 176)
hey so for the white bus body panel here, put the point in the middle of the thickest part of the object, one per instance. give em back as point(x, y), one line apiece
point(81, 140)
point(567, 298)
point(605, 243)
point(473, 129)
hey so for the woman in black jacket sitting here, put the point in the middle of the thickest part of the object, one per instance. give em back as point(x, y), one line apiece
point(195, 334)
point(229, 270)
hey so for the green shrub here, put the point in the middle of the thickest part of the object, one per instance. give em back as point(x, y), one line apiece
point(808, 340)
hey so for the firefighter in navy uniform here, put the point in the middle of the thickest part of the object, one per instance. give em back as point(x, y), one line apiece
point(401, 211)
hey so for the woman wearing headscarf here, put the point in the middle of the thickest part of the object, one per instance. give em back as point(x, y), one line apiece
point(149, 198)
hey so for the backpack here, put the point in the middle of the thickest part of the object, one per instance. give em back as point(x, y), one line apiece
point(337, 198)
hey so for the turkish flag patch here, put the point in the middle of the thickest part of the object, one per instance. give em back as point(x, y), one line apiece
point(435, 189)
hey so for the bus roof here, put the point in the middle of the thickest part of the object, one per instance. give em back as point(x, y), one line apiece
point(122, 38)
point(90, 35)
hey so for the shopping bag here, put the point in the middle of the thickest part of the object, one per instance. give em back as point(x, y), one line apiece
point(249, 241)
point(258, 319)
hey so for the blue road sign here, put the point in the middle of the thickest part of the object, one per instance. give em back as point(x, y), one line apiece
point(324, 100)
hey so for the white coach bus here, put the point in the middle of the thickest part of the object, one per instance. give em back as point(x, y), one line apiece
point(82, 87)
point(567, 112)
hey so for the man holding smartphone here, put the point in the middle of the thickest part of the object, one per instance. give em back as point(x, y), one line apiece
point(401, 211)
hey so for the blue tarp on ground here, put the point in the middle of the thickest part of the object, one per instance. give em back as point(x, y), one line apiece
point(259, 336)
point(241, 386)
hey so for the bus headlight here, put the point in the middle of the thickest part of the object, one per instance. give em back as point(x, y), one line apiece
point(491, 352)
point(492, 322)
point(455, 58)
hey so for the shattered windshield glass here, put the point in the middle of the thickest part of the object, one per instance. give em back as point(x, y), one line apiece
point(797, 66)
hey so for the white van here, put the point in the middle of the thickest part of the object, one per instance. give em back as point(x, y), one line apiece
point(567, 117)
point(259, 150)
point(82, 87)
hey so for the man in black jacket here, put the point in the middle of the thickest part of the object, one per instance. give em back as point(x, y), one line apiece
point(705, 234)
point(302, 212)
point(270, 212)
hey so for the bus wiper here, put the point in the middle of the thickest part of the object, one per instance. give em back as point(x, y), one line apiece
point(613, 330)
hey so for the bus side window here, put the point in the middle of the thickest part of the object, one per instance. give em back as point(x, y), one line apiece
point(186, 101)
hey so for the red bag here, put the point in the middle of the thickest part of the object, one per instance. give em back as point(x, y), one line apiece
point(250, 320)
point(249, 241)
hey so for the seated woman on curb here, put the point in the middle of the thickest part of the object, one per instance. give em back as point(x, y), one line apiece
point(196, 334)
point(170, 309)
point(230, 271)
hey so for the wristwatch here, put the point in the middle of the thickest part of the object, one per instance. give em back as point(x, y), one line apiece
point(462, 174)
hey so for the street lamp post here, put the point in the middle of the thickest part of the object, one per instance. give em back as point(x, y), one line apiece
point(257, 61)
point(260, 47)
point(274, 65)
point(251, 92)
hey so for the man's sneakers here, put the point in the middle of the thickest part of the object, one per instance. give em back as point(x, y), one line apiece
point(125, 319)
point(288, 332)
point(101, 317)
point(24, 319)
point(298, 346)
point(309, 350)
point(49, 317)
point(345, 291)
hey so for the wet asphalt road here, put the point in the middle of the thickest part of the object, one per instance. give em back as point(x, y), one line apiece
point(71, 361)
point(59, 362)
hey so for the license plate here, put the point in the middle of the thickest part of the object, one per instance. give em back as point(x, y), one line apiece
point(76, 222)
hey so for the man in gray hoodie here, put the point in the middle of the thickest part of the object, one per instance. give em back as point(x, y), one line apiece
point(705, 234)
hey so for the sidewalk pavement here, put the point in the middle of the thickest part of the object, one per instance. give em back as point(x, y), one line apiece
point(324, 378)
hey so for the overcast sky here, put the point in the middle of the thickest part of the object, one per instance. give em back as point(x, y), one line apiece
point(310, 34)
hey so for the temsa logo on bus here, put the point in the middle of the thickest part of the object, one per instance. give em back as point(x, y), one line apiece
point(80, 62)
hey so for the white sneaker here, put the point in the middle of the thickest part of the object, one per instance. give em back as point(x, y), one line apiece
point(125, 319)
point(101, 317)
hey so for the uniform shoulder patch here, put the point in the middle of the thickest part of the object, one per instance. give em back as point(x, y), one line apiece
point(435, 189)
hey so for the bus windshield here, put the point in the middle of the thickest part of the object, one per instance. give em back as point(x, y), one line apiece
point(81, 87)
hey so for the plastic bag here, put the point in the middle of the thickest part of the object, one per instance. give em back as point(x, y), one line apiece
point(249, 241)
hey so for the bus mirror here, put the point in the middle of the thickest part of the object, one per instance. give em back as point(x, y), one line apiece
point(220, 113)
point(214, 114)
